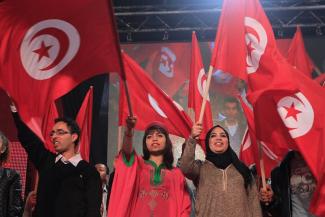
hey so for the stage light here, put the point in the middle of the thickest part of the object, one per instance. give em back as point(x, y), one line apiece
point(319, 31)
point(129, 37)
point(166, 36)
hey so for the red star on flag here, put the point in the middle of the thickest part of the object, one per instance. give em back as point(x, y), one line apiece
point(42, 51)
point(292, 111)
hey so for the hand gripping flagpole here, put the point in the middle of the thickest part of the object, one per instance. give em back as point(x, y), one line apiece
point(206, 92)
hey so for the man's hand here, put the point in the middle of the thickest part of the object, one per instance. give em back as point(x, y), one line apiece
point(196, 130)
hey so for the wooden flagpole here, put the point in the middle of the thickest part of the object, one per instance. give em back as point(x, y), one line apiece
point(260, 156)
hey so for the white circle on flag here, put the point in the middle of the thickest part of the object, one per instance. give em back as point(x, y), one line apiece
point(156, 107)
point(257, 43)
point(179, 107)
point(302, 118)
point(202, 83)
point(47, 47)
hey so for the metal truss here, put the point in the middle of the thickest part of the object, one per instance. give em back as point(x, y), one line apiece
point(169, 21)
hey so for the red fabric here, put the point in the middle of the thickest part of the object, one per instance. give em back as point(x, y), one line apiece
point(228, 44)
point(48, 123)
point(45, 53)
point(196, 90)
point(321, 79)
point(249, 152)
point(18, 161)
point(84, 120)
point(298, 56)
point(288, 106)
point(150, 103)
point(134, 195)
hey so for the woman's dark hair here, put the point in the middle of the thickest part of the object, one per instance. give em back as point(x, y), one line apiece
point(168, 152)
point(240, 166)
point(5, 144)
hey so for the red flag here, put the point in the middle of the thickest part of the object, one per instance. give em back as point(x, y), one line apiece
point(288, 106)
point(47, 126)
point(197, 88)
point(298, 56)
point(84, 120)
point(249, 153)
point(45, 53)
point(150, 103)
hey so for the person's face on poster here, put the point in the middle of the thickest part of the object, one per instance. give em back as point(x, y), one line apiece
point(167, 61)
point(231, 111)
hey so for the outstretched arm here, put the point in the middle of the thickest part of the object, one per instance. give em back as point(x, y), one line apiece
point(189, 166)
point(31, 143)
point(128, 136)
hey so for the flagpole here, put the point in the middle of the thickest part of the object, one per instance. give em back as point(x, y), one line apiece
point(128, 97)
point(119, 138)
point(317, 70)
point(122, 73)
point(260, 156)
point(206, 93)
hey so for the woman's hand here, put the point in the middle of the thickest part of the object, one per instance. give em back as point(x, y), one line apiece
point(130, 122)
point(196, 130)
point(266, 195)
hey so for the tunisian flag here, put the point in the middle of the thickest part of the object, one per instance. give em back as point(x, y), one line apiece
point(150, 103)
point(298, 56)
point(197, 87)
point(84, 120)
point(48, 47)
point(288, 106)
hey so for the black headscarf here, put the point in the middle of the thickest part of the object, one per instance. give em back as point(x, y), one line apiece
point(223, 160)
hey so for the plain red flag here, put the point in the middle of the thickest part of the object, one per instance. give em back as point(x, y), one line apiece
point(298, 56)
point(84, 120)
point(197, 86)
point(288, 106)
point(150, 103)
point(47, 125)
point(48, 47)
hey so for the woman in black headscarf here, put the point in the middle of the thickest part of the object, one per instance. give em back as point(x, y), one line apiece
point(225, 186)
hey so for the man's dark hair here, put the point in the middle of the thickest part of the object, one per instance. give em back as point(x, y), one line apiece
point(5, 145)
point(72, 126)
point(230, 99)
point(168, 152)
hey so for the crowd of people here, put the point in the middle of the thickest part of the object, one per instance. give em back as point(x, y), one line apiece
point(149, 184)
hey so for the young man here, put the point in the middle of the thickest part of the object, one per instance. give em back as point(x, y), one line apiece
point(233, 122)
point(68, 186)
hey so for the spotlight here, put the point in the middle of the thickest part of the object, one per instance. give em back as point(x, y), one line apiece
point(280, 33)
point(166, 36)
point(319, 31)
point(129, 37)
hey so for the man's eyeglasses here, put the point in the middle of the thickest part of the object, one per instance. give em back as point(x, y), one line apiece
point(58, 133)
